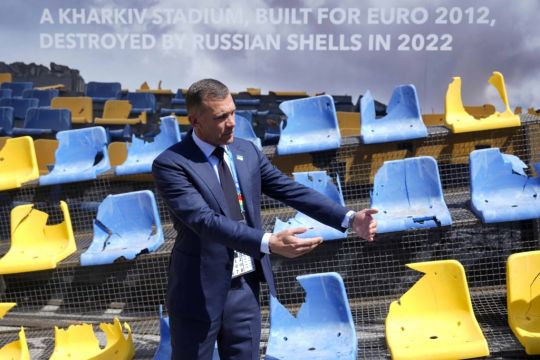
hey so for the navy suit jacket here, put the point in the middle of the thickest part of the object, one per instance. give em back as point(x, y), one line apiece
point(201, 261)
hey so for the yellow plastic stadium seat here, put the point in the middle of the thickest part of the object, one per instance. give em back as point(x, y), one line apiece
point(349, 123)
point(523, 298)
point(289, 93)
point(80, 107)
point(34, 244)
point(18, 163)
point(16, 350)
point(5, 307)
point(5, 77)
point(116, 112)
point(434, 319)
point(45, 150)
point(254, 91)
point(117, 153)
point(80, 342)
point(182, 120)
point(458, 120)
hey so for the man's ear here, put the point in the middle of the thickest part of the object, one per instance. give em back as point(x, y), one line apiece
point(192, 120)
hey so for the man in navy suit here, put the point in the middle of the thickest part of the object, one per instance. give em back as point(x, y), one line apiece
point(212, 184)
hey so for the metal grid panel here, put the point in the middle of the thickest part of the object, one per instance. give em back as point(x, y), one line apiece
point(374, 273)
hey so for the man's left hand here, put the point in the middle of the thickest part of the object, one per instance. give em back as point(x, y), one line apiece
point(364, 225)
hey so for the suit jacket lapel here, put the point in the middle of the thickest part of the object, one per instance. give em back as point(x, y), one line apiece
point(241, 165)
point(202, 167)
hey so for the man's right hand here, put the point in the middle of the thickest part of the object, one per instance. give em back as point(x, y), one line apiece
point(285, 243)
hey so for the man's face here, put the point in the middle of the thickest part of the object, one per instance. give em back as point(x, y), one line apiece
point(214, 122)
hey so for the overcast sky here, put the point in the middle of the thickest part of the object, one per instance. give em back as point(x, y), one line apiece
point(509, 43)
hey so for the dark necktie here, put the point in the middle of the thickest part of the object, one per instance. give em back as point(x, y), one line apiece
point(227, 185)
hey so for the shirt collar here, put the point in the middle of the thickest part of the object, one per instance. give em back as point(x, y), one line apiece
point(205, 147)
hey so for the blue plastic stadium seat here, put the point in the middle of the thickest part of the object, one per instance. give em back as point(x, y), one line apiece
point(176, 111)
point(311, 125)
point(141, 153)
point(103, 91)
point(321, 182)
point(402, 122)
point(500, 188)
point(164, 350)
point(42, 121)
point(20, 106)
point(44, 96)
point(408, 195)
point(323, 328)
point(5, 93)
point(126, 224)
point(17, 88)
point(81, 155)
point(6, 121)
point(247, 102)
point(243, 128)
point(178, 98)
point(141, 102)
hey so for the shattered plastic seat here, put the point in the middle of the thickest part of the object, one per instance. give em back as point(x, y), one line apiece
point(6, 120)
point(81, 155)
point(116, 112)
point(434, 319)
point(317, 180)
point(126, 224)
point(81, 108)
point(79, 342)
point(5, 307)
point(500, 188)
point(402, 122)
point(408, 195)
point(17, 88)
point(244, 130)
point(41, 121)
point(20, 106)
point(323, 328)
point(18, 162)
point(44, 96)
point(523, 297)
point(103, 91)
point(458, 120)
point(142, 152)
point(16, 350)
point(34, 244)
point(311, 125)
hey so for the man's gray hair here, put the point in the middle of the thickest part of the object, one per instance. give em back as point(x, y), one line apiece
point(204, 89)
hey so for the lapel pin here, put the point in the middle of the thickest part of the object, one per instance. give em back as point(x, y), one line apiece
point(239, 157)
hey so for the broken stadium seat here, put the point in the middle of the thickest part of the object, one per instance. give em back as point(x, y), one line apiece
point(311, 125)
point(500, 188)
point(81, 108)
point(34, 244)
point(321, 182)
point(458, 120)
point(126, 224)
point(17, 88)
point(44, 96)
point(116, 112)
point(79, 342)
point(523, 298)
point(20, 106)
point(142, 152)
point(16, 350)
point(323, 327)
point(43, 121)
point(141, 102)
point(18, 163)
point(81, 155)
point(402, 122)
point(408, 195)
point(102, 91)
point(244, 129)
point(434, 319)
